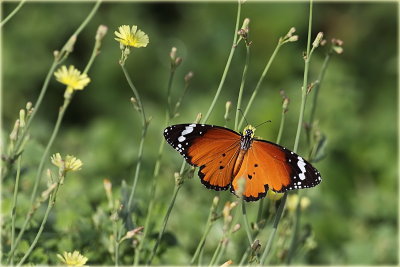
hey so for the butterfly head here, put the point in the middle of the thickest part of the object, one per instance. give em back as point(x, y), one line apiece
point(249, 131)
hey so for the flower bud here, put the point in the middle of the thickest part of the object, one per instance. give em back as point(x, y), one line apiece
point(229, 262)
point(28, 106)
point(228, 106)
point(188, 77)
point(293, 38)
point(215, 201)
point(318, 39)
point(178, 61)
point(14, 132)
point(172, 54)
point(236, 228)
point(178, 178)
point(134, 232)
point(22, 118)
point(101, 32)
point(290, 32)
point(69, 46)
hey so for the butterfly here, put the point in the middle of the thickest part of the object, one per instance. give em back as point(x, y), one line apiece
point(225, 156)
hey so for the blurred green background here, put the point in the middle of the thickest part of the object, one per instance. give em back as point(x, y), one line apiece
point(353, 212)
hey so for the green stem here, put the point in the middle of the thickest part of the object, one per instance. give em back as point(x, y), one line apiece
point(40, 170)
point(170, 80)
point(216, 253)
point(300, 123)
point(57, 61)
point(165, 221)
point(316, 91)
point(116, 243)
point(305, 82)
point(244, 76)
point(281, 126)
point(146, 225)
point(157, 165)
point(274, 228)
point(228, 63)
point(14, 206)
point(295, 233)
point(39, 233)
point(35, 110)
point(200, 246)
point(12, 13)
point(144, 131)
point(260, 81)
point(246, 223)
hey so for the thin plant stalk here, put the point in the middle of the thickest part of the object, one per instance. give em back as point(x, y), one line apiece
point(144, 131)
point(39, 233)
point(299, 125)
point(317, 86)
point(40, 170)
point(146, 226)
point(216, 253)
point(14, 206)
point(224, 240)
point(227, 66)
point(60, 117)
point(296, 144)
point(260, 81)
point(116, 243)
point(274, 229)
point(16, 9)
point(168, 117)
point(244, 76)
point(63, 54)
point(246, 223)
point(165, 221)
point(205, 234)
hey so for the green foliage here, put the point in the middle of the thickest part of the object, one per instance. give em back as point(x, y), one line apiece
point(353, 210)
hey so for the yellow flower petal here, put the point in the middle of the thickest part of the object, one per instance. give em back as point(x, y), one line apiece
point(73, 259)
point(131, 36)
point(70, 163)
point(72, 78)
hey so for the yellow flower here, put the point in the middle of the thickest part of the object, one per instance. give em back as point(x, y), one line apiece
point(69, 164)
point(73, 259)
point(72, 78)
point(131, 36)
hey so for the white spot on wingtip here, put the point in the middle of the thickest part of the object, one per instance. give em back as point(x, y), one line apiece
point(301, 164)
point(181, 138)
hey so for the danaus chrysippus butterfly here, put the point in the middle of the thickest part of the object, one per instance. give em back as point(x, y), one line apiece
point(224, 156)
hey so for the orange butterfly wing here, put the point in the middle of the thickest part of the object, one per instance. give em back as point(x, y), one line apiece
point(270, 166)
point(212, 148)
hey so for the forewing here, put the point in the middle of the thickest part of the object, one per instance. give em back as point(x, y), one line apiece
point(269, 166)
point(212, 148)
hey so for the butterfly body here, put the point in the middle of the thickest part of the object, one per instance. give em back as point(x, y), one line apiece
point(225, 156)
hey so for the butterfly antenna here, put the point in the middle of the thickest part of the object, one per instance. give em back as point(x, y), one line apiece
point(241, 112)
point(263, 123)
